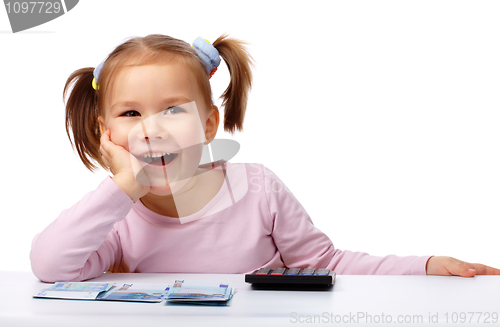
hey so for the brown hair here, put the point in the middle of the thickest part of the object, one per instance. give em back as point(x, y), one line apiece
point(84, 104)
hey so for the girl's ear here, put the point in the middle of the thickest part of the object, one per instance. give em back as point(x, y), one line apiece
point(212, 124)
point(102, 129)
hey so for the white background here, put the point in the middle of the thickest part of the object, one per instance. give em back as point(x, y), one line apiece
point(382, 117)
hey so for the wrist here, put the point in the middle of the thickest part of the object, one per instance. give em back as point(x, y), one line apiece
point(427, 264)
point(128, 185)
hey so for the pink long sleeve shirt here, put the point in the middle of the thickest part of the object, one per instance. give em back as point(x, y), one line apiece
point(254, 221)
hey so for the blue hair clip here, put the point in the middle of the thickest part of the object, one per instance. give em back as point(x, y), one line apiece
point(97, 71)
point(208, 54)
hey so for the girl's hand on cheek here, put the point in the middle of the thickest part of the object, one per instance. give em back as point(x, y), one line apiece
point(448, 266)
point(122, 164)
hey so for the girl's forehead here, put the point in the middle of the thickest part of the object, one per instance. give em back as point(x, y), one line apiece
point(153, 72)
point(146, 78)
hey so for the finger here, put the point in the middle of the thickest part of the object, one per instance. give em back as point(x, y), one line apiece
point(104, 156)
point(485, 270)
point(105, 141)
point(104, 149)
point(103, 152)
point(460, 268)
point(468, 265)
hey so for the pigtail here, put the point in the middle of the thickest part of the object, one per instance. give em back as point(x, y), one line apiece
point(81, 117)
point(235, 97)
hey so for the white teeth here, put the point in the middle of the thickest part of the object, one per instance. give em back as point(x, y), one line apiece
point(156, 155)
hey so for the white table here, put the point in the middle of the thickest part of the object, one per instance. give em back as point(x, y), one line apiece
point(353, 301)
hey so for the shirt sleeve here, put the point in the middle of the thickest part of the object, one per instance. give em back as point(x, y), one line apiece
point(303, 245)
point(83, 241)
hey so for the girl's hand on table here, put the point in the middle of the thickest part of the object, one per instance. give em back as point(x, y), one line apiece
point(448, 266)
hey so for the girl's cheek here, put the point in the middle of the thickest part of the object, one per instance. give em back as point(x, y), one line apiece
point(118, 135)
point(193, 133)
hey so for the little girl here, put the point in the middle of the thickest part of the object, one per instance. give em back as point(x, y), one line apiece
point(145, 113)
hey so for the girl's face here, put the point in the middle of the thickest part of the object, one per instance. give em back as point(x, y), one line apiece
point(157, 113)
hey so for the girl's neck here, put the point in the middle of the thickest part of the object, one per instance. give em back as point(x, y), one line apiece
point(195, 195)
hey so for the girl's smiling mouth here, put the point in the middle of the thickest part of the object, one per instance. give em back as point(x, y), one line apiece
point(158, 159)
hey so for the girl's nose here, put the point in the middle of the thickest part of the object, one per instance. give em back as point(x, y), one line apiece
point(154, 129)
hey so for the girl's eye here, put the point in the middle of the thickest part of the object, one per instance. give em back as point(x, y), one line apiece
point(173, 110)
point(131, 113)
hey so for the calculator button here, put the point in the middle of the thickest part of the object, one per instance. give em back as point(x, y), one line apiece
point(307, 272)
point(278, 271)
point(263, 271)
point(322, 272)
point(293, 271)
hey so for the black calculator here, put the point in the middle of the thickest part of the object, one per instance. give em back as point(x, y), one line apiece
point(291, 278)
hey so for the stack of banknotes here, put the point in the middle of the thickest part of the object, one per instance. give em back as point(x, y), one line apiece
point(199, 292)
